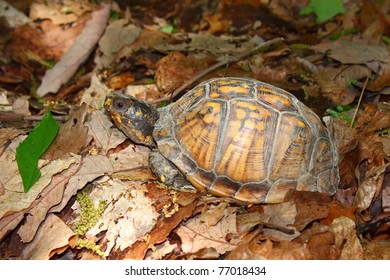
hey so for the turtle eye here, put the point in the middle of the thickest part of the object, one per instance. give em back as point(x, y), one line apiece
point(120, 105)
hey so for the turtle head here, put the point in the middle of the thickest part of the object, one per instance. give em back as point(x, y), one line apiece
point(134, 117)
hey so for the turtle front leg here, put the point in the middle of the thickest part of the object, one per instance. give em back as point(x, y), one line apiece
point(167, 172)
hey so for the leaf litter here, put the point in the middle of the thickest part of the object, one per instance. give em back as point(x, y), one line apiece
point(142, 219)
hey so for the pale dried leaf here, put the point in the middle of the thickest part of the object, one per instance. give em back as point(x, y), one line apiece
point(53, 234)
point(282, 215)
point(386, 199)
point(260, 248)
point(348, 52)
point(343, 134)
point(386, 144)
point(131, 158)
point(52, 195)
point(95, 95)
point(91, 168)
point(72, 137)
point(118, 34)
point(56, 11)
point(128, 214)
point(160, 232)
point(9, 133)
point(346, 239)
point(212, 214)
point(106, 136)
point(144, 92)
point(377, 250)
point(160, 250)
point(21, 105)
point(370, 187)
point(77, 54)
point(8, 223)
point(14, 199)
point(14, 17)
point(196, 235)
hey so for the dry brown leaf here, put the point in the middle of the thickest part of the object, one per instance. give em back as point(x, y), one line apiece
point(310, 207)
point(131, 158)
point(346, 239)
point(55, 11)
point(334, 82)
point(91, 168)
point(316, 243)
point(146, 39)
point(13, 17)
point(77, 53)
point(218, 22)
point(370, 187)
point(176, 68)
point(7, 134)
point(144, 92)
point(52, 235)
point(371, 148)
point(52, 195)
point(163, 228)
point(336, 210)
point(386, 199)
point(14, 198)
point(343, 134)
point(10, 222)
point(372, 120)
point(261, 248)
point(161, 250)
point(348, 52)
point(72, 137)
point(43, 38)
point(118, 34)
point(212, 214)
point(105, 135)
point(196, 235)
point(95, 95)
point(377, 250)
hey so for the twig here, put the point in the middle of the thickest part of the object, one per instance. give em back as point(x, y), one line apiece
point(216, 66)
point(360, 98)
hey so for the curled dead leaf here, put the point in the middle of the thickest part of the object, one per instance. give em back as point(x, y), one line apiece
point(346, 239)
point(370, 187)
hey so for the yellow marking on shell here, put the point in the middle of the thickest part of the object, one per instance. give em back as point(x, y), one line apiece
point(243, 157)
point(240, 114)
point(200, 136)
point(162, 178)
point(290, 150)
point(266, 89)
point(277, 99)
point(228, 89)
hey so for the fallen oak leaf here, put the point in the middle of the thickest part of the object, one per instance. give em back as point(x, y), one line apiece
point(72, 137)
point(53, 237)
point(52, 195)
point(163, 228)
point(346, 239)
point(370, 187)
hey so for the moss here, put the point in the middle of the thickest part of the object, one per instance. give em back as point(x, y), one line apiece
point(88, 244)
point(90, 214)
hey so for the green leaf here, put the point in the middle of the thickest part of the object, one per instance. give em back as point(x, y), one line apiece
point(32, 148)
point(324, 9)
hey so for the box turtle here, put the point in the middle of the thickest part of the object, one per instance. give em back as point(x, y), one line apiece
point(233, 137)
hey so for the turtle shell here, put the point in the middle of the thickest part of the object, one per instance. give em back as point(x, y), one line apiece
point(248, 140)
